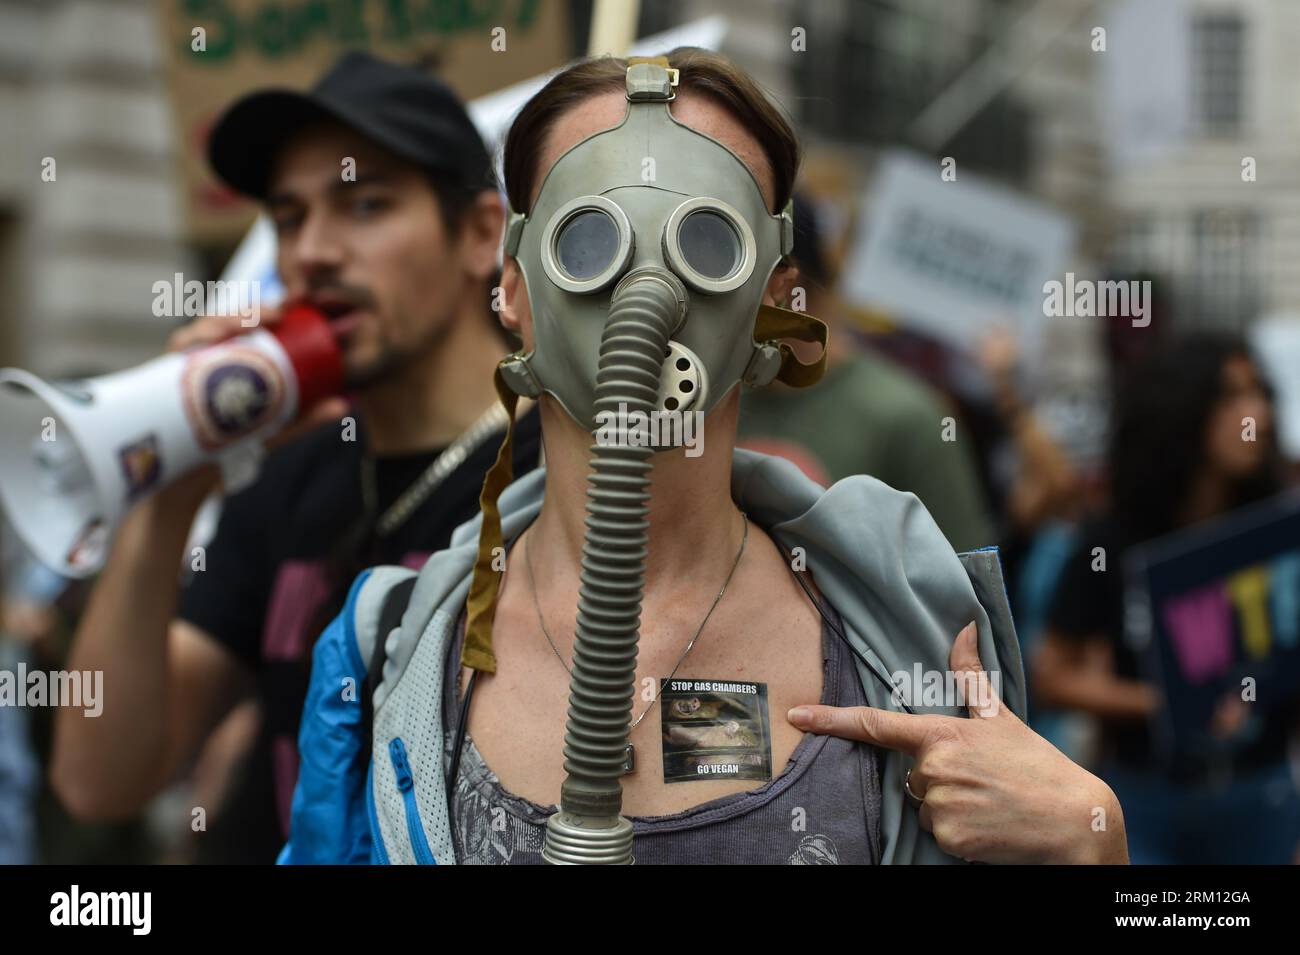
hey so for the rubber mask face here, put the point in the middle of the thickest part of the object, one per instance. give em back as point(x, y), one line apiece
point(652, 194)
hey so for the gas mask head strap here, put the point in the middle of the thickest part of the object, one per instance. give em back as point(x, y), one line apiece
point(481, 607)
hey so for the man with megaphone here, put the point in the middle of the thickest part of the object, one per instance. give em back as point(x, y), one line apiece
point(388, 223)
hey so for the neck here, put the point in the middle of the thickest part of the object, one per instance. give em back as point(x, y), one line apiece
point(435, 396)
point(695, 527)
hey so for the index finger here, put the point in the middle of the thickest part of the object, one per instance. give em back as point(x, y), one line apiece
point(905, 732)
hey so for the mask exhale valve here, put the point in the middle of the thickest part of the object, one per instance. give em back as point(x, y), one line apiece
point(647, 308)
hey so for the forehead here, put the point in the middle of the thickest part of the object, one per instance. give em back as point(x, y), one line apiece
point(321, 147)
point(606, 110)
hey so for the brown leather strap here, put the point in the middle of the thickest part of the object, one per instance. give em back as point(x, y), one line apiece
point(481, 606)
point(774, 322)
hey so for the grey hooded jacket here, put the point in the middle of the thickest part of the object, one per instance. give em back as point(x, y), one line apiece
point(875, 553)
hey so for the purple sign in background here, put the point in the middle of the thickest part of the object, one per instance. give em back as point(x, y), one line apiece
point(1213, 610)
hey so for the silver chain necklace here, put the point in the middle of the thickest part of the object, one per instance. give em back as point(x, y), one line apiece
point(629, 759)
point(451, 457)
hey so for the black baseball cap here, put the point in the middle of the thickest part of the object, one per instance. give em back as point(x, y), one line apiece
point(407, 112)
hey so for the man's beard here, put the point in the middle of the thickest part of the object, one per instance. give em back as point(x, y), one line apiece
point(386, 364)
point(391, 361)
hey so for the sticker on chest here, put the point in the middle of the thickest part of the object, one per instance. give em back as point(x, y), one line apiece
point(715, 729)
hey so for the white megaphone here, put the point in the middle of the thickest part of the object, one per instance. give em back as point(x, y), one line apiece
point(74, 456)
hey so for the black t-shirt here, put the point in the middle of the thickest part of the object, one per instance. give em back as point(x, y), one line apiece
point(278, 570)
point(1089, 604)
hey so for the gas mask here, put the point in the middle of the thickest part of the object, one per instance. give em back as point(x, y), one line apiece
point(648, 197)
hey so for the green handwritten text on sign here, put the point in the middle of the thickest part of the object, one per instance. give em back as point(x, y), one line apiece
point(281, 28)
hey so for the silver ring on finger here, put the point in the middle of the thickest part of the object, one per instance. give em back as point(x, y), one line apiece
point(907, 788)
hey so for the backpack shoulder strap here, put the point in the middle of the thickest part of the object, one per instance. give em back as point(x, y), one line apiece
point(390, 617)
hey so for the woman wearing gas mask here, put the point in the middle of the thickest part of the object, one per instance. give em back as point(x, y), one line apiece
point(659, 648)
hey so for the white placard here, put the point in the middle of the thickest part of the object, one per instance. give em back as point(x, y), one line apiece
point(954, 258)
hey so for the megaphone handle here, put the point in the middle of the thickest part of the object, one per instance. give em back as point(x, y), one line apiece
point(240, 464)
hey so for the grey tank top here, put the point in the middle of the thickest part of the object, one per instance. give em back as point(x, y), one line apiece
point(823, 809)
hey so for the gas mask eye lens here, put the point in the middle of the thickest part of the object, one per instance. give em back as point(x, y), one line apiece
point(709, 244)
point(586, 244)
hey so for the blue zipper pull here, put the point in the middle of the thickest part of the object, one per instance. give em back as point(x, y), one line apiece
point(406, 786)
point(403, 769)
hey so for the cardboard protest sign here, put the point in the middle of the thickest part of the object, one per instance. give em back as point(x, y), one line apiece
point(217, 50)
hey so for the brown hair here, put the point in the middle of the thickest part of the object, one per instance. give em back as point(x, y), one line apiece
point(702, 71)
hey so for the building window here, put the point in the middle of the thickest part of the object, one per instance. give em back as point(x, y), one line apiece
point(1218, 63)
point(881, 63)
point(1133, 247)
point(1224, 287)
